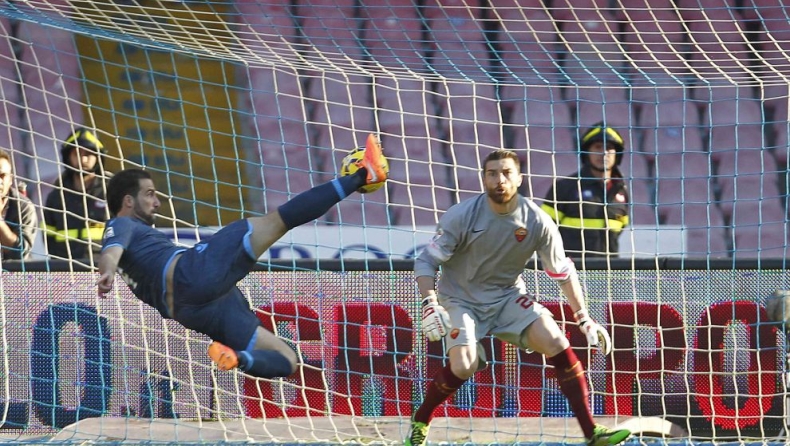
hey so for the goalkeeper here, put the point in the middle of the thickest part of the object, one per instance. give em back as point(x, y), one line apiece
point(197, 286)
point(482, 245)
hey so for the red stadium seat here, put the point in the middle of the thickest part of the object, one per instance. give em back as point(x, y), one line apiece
point(748, 175)
point(593, 62)
point(51, 82)
point(10, 116)
point(419, 184)
point(468, 112)
point(654, 38)
point(751, 199)
point(637, 172)
point(591, 53)
point(773, 45)
point(526, 42)
point(685, 196)
point(703, 226)
point(543, 167)
point(719, 43)
point(759, 230)
point(278, 110)
point(340, 100)
point(670, 127)
point(683, 178)
point(587, 29)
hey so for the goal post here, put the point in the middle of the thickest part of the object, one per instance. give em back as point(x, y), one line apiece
point(236, 106)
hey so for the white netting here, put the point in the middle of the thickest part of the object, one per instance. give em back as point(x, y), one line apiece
point(237, 106)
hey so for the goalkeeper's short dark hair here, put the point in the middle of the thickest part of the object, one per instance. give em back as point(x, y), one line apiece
point(501, 154)
point(123, 183)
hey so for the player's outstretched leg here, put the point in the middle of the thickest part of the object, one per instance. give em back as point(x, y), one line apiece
point(224, 356)
point(317, 201)
point(374, 162)
point(603, 436)
point(258, 363)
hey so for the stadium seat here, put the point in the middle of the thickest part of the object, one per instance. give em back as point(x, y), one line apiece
point(540, 128)
point(51, 80)
point(10, 114)
point(670, 127)
point(749, 175)
point(468, 112)
point(752, 201)
point(526, 41)
point(419, 186)
point(637, 173)
point(278, 115)
point(703, 226)
point(759, 230)
point(543, 166)
point(593, 61)
point(719, 45)
point(682, 179)
point(737, 144)
point(340, 102)
point(779, 123)
point(589, 34)
point(685, 196)
point(773, 44)
point(654, 39)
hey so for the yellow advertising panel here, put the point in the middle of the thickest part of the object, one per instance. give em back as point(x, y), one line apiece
point(172, 113)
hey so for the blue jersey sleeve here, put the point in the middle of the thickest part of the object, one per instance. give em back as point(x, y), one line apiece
point(118, 232)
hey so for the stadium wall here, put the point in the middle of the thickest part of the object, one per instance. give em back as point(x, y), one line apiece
point(692, 345)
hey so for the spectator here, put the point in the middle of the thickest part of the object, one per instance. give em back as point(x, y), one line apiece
point(591, 208)
point(76, 209)
point(18, 219)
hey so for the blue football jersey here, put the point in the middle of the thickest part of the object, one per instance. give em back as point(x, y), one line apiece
point(145, 257)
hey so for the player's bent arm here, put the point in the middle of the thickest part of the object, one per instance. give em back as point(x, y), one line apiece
point(426, 286)
point(596, 335)
point(108, 265)
point(572, 290)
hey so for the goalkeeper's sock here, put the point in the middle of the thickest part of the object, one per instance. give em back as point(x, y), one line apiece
point(264, 363)
point(443, 386)
point(570, 376)
point(317, 201)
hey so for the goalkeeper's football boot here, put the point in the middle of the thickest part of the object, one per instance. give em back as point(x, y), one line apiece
point(418, 435)
point(374, 161)
point(224, 356)
point(603, 436)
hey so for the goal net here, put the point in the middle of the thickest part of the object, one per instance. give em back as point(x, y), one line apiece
point(237, 106)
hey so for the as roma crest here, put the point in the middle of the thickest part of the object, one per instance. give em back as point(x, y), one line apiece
point(454, 333)
point(521, 234)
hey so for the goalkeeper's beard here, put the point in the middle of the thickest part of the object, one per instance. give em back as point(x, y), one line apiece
point(501, 198)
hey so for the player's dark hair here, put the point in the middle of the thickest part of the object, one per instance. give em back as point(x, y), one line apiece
point(4, 154)
point(123, 183)
point(502, 154)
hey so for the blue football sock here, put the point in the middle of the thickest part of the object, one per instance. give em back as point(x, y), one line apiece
point(317, 201)
point(264, 363)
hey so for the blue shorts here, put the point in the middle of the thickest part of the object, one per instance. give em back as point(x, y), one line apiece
point(205, 296)
point(227, 319)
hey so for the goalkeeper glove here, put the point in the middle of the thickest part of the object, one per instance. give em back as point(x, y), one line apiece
point(435, 320)
point(596, 335)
